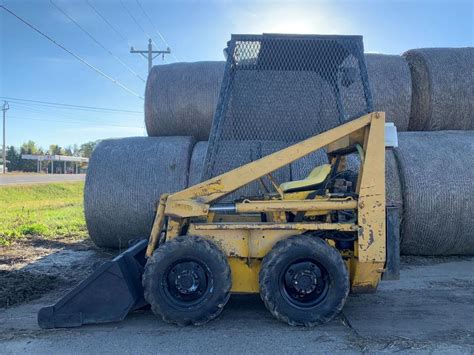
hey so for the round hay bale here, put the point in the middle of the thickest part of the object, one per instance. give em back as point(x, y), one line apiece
point(180, 99)
point(442, 87)
point(436, 171)
point(196, 164)
point(124, 180)
point(393, 185)
point(390, 83)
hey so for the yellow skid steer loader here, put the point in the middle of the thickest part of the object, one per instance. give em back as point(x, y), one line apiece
point(303, 246)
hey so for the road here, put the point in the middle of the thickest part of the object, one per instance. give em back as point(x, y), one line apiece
point(431, 309)
point(22, 179)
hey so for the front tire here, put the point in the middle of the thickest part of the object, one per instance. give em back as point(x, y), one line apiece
point(304, 281)
point(187, 281)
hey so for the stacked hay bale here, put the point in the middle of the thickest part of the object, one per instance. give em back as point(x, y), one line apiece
point(436, 168)
point(180, 98)
point(124, 180)
point(425, 89)
point(390, 84)
point(443, 88)
point(437, 176)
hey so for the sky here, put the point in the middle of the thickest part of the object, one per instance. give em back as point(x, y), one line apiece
point(32, 68)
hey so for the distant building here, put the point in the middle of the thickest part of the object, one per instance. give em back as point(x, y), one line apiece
point(57, 164)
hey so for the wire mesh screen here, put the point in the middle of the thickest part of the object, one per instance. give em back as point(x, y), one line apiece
point(280, 89)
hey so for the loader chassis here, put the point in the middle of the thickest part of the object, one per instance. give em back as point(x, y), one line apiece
point(245, 240)
point(281, 245)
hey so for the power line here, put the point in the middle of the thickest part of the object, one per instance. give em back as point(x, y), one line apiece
point(83, 61)
point(48, 113)
point(69, 121)
point(108, 23)
point(136, 21)
point(72, 106)
point(67, 110)
point(125, 65)
point(51, 111)
point(156, 29)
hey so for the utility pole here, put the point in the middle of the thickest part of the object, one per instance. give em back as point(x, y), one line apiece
point(150, 54)
point(4, 151)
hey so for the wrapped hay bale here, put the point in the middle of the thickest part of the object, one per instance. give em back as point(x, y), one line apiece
point(437, 170)
point(390, 84)
point(442, 88)
point(196, 164)
point(124, 180)
point(180, 98)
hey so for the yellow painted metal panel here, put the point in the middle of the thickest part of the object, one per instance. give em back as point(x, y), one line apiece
point(301, 226)
point(296, 205)
point(371, 202)
point(244, 275)
point(365, 276)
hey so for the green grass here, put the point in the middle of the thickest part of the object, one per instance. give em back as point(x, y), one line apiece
point(47, 210)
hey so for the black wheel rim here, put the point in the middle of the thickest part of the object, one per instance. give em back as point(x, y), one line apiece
point(304, 283)
point(187, 282)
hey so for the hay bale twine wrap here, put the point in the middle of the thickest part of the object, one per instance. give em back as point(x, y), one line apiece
point(180, 98)
point(124, 180)
point(390, 84)
point(196, 164)
point(442, 87)
point(437, 170)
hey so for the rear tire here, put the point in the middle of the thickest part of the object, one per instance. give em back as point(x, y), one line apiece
point(304, 281)
point(187, 281)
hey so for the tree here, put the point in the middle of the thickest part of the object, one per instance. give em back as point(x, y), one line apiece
point(86, 149)
point(14, 157)
point(72, 150)
point(29, 147)
point(55, 149)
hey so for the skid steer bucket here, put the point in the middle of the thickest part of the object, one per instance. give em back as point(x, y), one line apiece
point(107, 295)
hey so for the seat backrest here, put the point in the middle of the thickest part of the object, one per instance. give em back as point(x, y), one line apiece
point(319, 173)
point(317, 176)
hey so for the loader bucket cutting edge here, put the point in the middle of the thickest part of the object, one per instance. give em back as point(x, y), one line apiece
point(107, 295)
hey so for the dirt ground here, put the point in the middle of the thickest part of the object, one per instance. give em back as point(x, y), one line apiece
point(430, 309)
point(35, 266)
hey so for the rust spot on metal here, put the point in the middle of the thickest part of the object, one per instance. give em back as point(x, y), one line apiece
point(371, 239)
